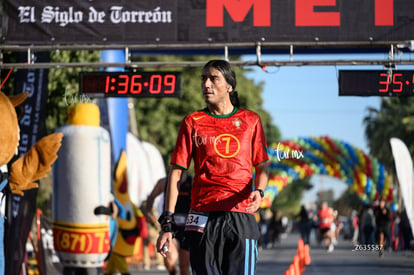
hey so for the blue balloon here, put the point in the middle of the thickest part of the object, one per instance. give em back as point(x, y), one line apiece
point(368, 187)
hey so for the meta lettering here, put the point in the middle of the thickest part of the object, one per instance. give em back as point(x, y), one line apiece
point(238, 10)
point(305, 14)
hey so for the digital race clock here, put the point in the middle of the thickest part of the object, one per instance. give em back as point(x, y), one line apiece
point(130, 84)
point(376, 83)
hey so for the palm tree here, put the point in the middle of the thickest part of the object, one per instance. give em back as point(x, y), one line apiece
point(395, 118)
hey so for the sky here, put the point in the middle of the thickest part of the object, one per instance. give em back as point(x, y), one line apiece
point(304, 101)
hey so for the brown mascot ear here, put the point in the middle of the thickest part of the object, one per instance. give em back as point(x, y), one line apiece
point(16, 100)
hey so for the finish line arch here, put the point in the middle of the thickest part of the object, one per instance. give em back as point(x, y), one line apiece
point(303, 157)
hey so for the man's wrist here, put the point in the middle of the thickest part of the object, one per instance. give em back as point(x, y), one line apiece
point(167, 228)
point(261, 192)
point(167, 213)
point(166, 221)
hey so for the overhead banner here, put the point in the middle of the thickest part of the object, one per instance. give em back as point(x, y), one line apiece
point(206, 21)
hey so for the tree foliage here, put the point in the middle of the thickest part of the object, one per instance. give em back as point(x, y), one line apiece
point(394, 118)
point(289, 199)
point(63, 85)
point(348, 201)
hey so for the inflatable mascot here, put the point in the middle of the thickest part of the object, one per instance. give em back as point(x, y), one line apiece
point(81, 183)
point(130, 227)
point(21, 174)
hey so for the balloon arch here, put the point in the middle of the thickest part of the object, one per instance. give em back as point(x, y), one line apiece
point(303, 157)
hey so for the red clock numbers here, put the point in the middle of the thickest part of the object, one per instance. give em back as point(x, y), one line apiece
point(169, 83)
point(384, 83)
point(108, 78)
point(155, 84)
point(412, 82)
point(397, 81)
point(394, 81)
point(376, 82)
point(139, 84)
point(123, 81)
point(136, 85)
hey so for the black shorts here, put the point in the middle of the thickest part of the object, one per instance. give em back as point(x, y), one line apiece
point(324, 230)
point(227, 246)
point(181, 238)
point(383, 229)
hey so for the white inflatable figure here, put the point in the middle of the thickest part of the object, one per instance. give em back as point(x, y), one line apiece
point(82, 182)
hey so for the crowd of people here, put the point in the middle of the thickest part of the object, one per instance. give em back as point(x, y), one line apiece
point(373, 224)
point(377, 225)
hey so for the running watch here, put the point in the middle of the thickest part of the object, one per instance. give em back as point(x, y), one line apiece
point(260, 192)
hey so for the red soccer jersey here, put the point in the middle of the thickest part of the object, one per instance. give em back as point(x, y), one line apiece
point(325, 217)
point(225, 148)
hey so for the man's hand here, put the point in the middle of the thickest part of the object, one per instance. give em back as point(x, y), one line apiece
point(256, 200)
point(165, 238)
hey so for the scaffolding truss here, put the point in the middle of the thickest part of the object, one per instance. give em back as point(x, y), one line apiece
point(290, 49)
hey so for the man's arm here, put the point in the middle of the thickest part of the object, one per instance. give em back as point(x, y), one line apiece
point(173, 187)
point(171, 195)
point(262, 176)
point(260, 182)
point(156, 191)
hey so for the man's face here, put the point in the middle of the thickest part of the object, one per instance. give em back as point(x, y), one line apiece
point(214, 86)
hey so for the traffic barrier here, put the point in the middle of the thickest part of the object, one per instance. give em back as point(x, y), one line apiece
point(307, 254)
point(300, 260)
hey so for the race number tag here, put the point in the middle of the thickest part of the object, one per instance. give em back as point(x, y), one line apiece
point(180, 219)
point(196, 221)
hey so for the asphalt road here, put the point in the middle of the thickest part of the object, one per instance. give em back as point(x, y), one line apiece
point(343, 260)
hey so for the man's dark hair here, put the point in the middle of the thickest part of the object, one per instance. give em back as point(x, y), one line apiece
point(227, 71)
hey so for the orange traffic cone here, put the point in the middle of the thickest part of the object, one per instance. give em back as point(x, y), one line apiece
point(296, 264)
point(301, 254)
point(300, 244)
point(291, 270)
point(307, 257)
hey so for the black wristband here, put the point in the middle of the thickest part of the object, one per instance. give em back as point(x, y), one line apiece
point(167, 213)
point(167, 227)
point(261, 192)
point(166, 218)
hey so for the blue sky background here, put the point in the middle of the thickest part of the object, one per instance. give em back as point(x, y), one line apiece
point(303, 101)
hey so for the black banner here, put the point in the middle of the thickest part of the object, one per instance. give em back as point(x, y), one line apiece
point(20, 211)
point(206, 21)
point(50, 263)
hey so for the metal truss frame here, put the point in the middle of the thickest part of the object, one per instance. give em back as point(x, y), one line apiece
point(318, 48)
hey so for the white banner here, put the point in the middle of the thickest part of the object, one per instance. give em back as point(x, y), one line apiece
point(405, 174)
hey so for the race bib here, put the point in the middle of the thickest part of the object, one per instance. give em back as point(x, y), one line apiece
point(180, 219)
point(196, 221)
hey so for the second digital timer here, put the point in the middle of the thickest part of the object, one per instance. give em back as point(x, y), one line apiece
point(140, 84)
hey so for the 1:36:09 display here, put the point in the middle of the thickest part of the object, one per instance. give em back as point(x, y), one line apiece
point(137, 84)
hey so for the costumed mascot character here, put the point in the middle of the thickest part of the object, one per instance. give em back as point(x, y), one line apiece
point(21, 174)
point(81, 183)
point(130, 227)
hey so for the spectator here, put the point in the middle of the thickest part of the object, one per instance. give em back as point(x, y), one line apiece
point(383, 221)
point(304, 224)
point(368, 225)
point(325, 215)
